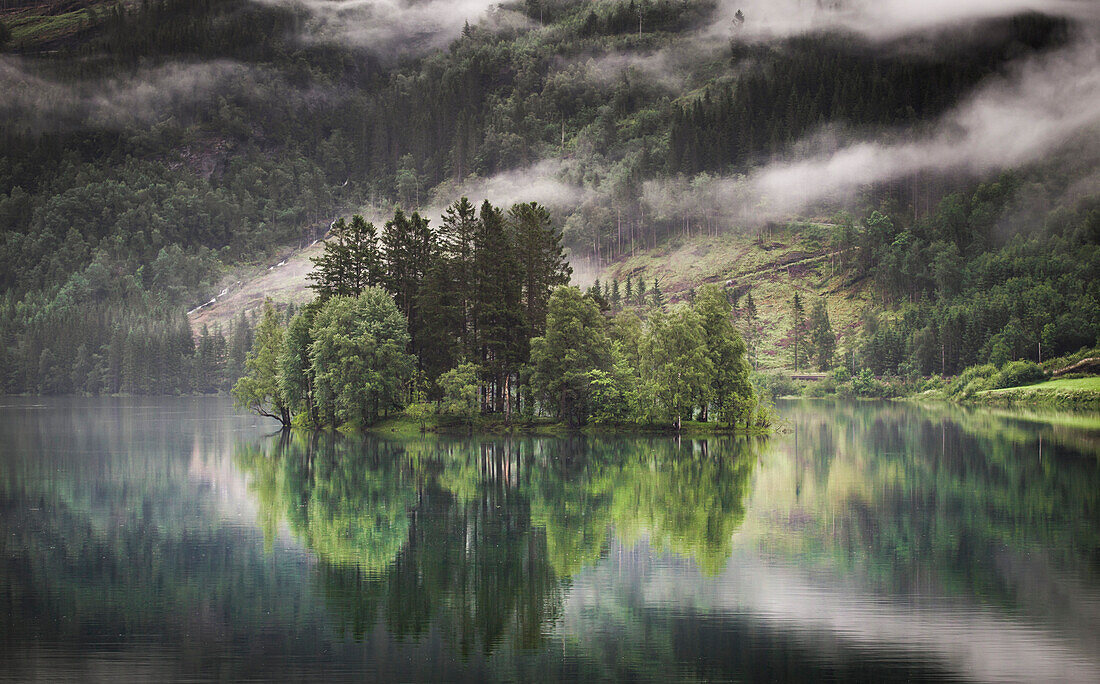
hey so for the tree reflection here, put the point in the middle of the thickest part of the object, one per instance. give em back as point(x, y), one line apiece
point(481, 536)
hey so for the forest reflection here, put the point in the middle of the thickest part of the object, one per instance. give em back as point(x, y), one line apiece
point(485, 534)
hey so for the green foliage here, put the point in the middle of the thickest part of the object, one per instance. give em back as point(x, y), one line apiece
point(420, 412)
point(675, 365)
point(358, 359)
point(832, 78)
point(1017, 373)
point(350, 262)
point(542, 262)
point(259, 391)
point(575, 344)
point(798, 331)
point(615, 395)
point(822, 337)
point(1009, 296)
point(295, 376)
point(867, 386)
point(730, 389)
point(256, 158)
point(971, 381)
point(460, 391)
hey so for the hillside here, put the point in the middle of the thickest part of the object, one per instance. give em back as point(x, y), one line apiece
point(155, 154)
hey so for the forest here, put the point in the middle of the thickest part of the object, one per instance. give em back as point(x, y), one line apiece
point(477, 319)
point(150, 148)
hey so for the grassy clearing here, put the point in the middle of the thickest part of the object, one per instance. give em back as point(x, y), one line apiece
point(788, 260)
point(31, 29)
point(1063, 393)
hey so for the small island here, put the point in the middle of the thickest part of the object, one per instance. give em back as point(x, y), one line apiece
point(475, 325)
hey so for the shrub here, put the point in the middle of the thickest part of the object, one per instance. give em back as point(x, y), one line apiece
point(776, 385)
point(867, 386)
point(1017, 373)
point(972, 380)
point(935, 382)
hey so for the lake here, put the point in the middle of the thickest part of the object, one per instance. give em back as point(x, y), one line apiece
point(175, 539)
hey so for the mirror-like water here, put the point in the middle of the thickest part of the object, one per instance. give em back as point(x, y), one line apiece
point(174, 539)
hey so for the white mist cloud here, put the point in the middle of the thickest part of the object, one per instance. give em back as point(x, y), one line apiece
point(389, 27)
point(541, 182)
point(876, 19)
point(34, 100)
point(1042, 106)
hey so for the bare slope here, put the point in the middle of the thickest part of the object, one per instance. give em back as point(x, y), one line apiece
point(774, 266)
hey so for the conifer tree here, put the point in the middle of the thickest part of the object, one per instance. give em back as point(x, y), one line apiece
point(798, 326)
point(407, 246)
point(541, 258)
point(822, 338)
point(351, 260)
point(498, 305)
point(456, 240)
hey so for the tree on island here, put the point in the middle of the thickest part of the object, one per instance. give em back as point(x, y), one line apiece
point(675, 364)
point(575, 344)
point(729, 385)
point(358, 358)
point(258, 390)
point(351, 260)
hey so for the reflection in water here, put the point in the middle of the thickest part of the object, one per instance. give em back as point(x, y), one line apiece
point(173, 539)
point(485, 533)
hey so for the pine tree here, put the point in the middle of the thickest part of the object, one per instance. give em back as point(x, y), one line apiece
point(822, 338)
point(541, 257)
point(350, 261)
point(498, 304)
point(750, 326)
point(456, 238)
point(798, 326)
point(407, 246)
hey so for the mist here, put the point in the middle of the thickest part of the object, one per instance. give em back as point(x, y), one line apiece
point(400, 27)
point(876, 20)
point(1039, 108)
point(35, 101)
point(1017, 120)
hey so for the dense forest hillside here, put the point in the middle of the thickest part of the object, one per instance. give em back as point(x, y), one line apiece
point(936, 176)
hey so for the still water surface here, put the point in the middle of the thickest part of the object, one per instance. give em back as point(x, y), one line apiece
point(173, 539)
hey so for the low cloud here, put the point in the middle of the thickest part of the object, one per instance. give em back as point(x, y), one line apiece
point(1042, 107)
point(876, 19)
point(541, 182)
point(33, 100)
point(1017, 120)
point(399, 27)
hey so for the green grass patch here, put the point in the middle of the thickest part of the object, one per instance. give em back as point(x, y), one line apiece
point(28, 30)
point(1064, 392)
